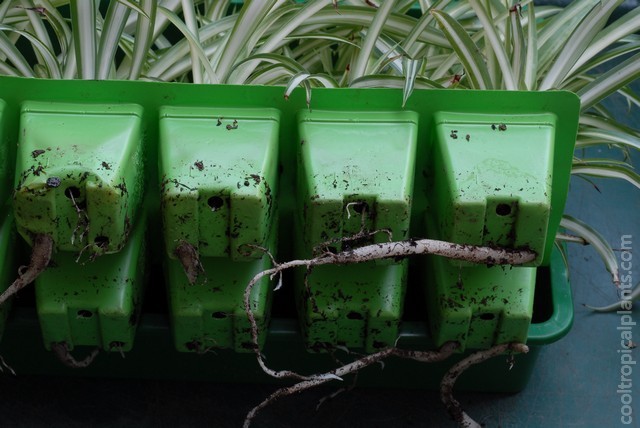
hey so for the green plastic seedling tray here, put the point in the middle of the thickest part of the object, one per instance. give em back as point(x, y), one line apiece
point(141, 107)
point(154, 356)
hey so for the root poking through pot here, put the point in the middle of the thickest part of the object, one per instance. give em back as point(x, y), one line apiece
point(448, 381)
point(190, 261)
point(40, 258)
point(61, 350)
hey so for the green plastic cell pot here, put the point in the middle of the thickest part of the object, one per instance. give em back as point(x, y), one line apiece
point(5, 154)
point(219, 176)
point(79, 174)
point(355, 178)
point(96, 301)
point(497, 180)
point(492, 179)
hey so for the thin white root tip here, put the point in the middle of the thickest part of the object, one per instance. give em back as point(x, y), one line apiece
point(279, 285)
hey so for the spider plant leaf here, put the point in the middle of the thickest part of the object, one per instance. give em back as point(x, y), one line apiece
point(4, 8)
point(608, 171)
point(37, 24)
point(575, 46)
point(359, 66)
point(114, 22)
point(13, 54)
point(286, 63)
point(596, 240)
point(555, 32)
point(411, 68)
point(632, 296)
point(247, 21)
point(531, 60)
point(217, 10)
point(603, 136)
point(144, 35)
point(83, 20)
point(609, 82)
point(613, 33)
point(7, 70)
point(295, 81)
point(466, 50)
point(60, 27)
point(210, 40)
point(386, 81)
point(356, 17)
point(322, 36)
point(606, 56)
point(194, 44)
point(607, 162)
point(409, 43)
point(519, 63)
point(50, 61)
point(588, 121)
point(189, 13)
point(134, 6)
point(276, 39)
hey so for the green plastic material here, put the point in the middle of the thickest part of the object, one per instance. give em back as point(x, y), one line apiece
point(79, 174)
point(340, 120)
point(479, 306)
point(354, 176)
point(154, 357)
point(5, 154)
point(493, 177)
point(218, 170)
point(7, 261)
point(93, 302)
point(210, 313)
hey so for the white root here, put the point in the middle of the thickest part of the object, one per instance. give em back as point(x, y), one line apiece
point(312, 381)
point(61, 350)
point(471, 253)
point(3, 365)
point(448, 381)
point(40, 258)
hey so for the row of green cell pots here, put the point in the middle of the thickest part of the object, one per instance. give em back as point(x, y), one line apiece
point(80, 178)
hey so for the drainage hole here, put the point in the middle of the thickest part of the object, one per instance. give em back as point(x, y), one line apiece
point(83, 313)
point(360, 207)
point(487, 316)
point(354, 316)
point(72, 192)
point(219, 315)
point(215, 203)
point(503, 209)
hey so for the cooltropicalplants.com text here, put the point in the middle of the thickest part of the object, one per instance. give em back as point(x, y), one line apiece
point(625, 387)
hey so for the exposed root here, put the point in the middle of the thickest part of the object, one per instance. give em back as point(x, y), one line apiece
point(190, 261)
point(40, 258)
point(448, 381)
point(61, 350)
point(4, 365)
point(475, 254)
point(82, 225)
point(427, 356)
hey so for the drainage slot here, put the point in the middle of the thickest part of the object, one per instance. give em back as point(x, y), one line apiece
point(72, 192)
point(215, 203)
point(83, 313)
point(503, 209)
